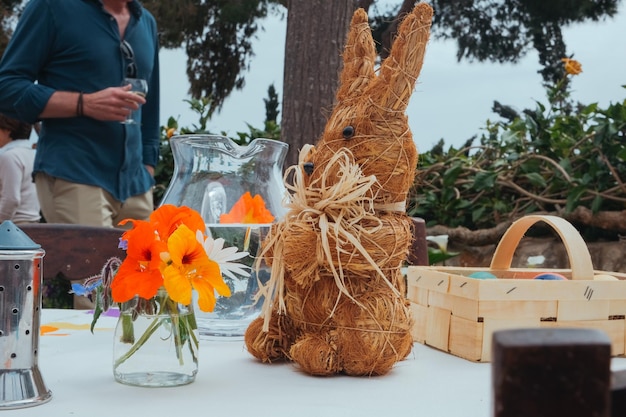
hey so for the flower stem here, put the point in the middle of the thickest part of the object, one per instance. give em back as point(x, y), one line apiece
point(246, 239)
point(128, 330)
point(181, 328)
point(143, 339)
point(176, 330)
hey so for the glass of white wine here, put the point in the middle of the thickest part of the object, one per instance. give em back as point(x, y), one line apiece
point(139, 86)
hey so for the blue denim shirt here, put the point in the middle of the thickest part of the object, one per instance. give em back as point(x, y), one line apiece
point(74, 45)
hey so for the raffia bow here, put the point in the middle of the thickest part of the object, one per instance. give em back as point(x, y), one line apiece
point(337, 205)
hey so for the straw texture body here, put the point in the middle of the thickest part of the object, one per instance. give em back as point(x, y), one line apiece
point(335, 302)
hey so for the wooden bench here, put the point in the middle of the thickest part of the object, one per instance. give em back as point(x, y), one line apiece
point(74, 251)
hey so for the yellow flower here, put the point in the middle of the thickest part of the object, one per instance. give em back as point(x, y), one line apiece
point(572, 67)
point(170, 132)
point(188, 266)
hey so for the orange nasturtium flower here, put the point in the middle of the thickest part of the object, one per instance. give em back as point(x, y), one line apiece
point(248, 209)
point(572, 67)
point(167, 218)
point(188, 266)
point(139, 273)
point(166, 251)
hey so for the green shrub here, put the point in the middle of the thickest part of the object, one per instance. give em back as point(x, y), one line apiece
point(551, 159)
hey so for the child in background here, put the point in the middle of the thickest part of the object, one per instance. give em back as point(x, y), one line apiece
point(18, 196)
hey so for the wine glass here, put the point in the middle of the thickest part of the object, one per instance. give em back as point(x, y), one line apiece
point(139, 86)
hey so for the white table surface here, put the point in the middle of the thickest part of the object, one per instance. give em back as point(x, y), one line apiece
point(76, 367)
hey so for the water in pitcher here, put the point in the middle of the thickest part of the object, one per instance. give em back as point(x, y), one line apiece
point(233, 314)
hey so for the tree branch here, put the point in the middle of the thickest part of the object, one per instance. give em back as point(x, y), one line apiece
point(463, 235)
point(389, 35)
point(605, 220)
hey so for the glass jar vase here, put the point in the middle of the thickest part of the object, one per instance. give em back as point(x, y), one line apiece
point(211, 175)
point(155, 343)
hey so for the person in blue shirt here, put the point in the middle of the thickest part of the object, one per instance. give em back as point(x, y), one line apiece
point(64, 66)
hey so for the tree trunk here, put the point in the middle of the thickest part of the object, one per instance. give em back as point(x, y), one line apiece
point(316, 31)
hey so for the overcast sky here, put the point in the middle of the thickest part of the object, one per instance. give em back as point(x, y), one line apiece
point(451, 100)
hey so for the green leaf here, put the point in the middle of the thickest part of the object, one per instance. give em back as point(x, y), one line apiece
point(98, 308)
point(436, 256)
point(485, 180)
point(500, 206)
point(536, 179)
point(451, 174)
point(573, 198)
point(478, 213)
point(596, 204)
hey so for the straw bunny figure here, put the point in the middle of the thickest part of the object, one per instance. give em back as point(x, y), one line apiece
point(335, 302)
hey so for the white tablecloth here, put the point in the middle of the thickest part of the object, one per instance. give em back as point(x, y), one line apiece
point(76, 367)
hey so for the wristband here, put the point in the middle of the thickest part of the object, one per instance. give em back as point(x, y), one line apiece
point(79, 105)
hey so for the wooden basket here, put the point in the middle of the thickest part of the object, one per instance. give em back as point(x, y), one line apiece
point(458, 314)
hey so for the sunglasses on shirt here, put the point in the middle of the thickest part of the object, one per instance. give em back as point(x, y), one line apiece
point(129, 55)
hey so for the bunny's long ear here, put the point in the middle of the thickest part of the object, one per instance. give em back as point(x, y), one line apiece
point(401, 68)
point(359, 58)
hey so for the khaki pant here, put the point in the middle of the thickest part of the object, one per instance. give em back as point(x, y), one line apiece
point(67, 202)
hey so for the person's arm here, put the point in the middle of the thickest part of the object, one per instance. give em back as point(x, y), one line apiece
point(25, 55)
point(24, 59)
point(110, 104)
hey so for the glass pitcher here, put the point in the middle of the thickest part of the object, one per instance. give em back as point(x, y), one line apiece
point(212, 174)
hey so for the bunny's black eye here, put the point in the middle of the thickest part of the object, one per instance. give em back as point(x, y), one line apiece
point(348, 132)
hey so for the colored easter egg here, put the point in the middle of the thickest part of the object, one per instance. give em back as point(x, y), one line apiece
point(550, 277)
point(604, 277)
point(482, 275)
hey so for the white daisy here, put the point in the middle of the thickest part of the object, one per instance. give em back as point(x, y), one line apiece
point(214, 248)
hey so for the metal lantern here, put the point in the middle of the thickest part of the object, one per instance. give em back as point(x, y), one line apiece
point(21, 278)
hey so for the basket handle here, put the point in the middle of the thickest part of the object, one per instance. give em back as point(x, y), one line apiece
point(577, 251)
